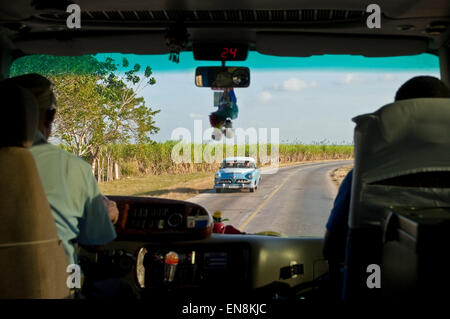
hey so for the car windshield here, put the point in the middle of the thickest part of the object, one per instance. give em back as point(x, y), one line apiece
point(238, 165)
point(147, 130)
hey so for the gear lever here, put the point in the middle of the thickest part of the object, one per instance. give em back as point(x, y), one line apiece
point(170, 266)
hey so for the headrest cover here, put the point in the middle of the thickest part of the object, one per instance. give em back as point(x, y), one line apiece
point(402, 138)
point(20, 115)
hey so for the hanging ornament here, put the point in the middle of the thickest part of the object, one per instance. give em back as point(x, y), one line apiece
point(177, 38)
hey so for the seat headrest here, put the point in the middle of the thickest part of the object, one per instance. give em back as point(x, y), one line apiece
point(408, 139)
point(404, 137)
point(20, 115)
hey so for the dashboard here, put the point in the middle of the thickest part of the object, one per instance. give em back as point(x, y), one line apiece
point(167, 246)
point(142, 218)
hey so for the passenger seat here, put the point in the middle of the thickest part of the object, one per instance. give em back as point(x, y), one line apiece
point(402, 160)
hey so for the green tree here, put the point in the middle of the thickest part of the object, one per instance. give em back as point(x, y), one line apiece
point(97, 104)
point(51, 65)
point(94, 111)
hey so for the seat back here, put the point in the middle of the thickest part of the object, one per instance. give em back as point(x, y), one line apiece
point(32, 258)
point(402, 158)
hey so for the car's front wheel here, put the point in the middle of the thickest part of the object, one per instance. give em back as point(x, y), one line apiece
point(252, 190)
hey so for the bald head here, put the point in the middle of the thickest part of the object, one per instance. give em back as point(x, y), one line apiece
point(20, 111)
point(422, 87)
point(40, 86)
point(42, 89)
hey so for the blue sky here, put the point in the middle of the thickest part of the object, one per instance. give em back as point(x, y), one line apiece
point(309, 99)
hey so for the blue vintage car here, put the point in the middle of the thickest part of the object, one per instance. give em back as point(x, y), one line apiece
point(237, 173)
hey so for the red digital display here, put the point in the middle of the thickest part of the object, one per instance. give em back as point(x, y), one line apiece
point(228, 53)
point(220, 52)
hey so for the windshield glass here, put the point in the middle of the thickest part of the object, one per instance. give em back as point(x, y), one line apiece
point(147, 130)
point(237, 165)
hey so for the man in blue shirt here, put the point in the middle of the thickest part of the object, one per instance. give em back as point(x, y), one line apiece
point(337, 223)
point(77, 205)
point(82, 214)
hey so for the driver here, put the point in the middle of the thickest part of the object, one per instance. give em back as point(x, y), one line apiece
point(82, 214)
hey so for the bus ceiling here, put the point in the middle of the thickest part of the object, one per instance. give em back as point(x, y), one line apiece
point(282, 28)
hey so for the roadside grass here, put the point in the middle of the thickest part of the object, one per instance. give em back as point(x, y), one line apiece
point(157, 158)
point(306, 162)
point(175, 186)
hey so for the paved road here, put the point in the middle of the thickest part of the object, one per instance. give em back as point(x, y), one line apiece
point(294, 201)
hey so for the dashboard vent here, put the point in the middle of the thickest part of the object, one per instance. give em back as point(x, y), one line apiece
point(217, 16)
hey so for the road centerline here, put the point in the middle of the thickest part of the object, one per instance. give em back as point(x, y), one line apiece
point(256, 211)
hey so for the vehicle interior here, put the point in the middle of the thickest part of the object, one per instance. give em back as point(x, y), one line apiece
point(236, 164)
point(394, 226)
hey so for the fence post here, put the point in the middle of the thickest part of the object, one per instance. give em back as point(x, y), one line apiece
point(116, 171)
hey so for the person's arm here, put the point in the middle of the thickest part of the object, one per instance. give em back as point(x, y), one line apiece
point(95, 227)
point(336, 233)
point(113, 212)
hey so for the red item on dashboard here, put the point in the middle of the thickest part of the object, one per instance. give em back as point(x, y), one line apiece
point(231, 230)
point(219, 228)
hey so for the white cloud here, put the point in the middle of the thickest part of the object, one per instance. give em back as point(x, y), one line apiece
point(196, 115)
point(354, 78)
point(265, 96)
point(388, 77)
point(274, 86)
point(292, 84)
point(350, 78)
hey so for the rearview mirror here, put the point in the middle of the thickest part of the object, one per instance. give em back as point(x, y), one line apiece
point(222, 77)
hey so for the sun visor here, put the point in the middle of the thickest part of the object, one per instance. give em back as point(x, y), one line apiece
point(144, 43)
point(304, 45)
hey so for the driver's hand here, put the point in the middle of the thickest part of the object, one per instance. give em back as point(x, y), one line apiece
point(112, 209)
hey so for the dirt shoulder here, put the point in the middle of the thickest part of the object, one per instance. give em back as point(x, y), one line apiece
point(337, 175)
point(306, 162)
point(185, 190)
